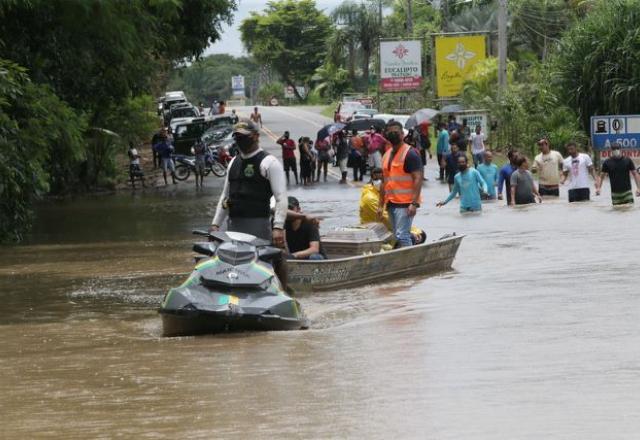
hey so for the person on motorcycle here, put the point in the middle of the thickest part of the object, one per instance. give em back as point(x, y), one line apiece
point(253, 177)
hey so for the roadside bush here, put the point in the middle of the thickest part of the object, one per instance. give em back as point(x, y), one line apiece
point(269, 90)
point(41, 143)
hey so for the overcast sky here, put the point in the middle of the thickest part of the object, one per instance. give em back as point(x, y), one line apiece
point(230, 42)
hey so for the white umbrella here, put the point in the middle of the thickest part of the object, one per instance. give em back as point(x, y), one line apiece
point(422, 115)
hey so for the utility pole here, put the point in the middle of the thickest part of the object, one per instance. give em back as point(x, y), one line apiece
point(409, 18)
point(502, 45)
point(380, 13)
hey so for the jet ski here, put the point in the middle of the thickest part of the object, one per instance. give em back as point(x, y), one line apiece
point(232, 288)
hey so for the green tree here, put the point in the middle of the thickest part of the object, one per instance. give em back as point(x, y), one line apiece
point(595, 68)
point(539, 24)
point(290, 36)
point(210, 77)
point(39, 136)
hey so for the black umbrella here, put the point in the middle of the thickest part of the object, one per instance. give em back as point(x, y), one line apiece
point(365, 124)
point(422, 115)
point(328, 130)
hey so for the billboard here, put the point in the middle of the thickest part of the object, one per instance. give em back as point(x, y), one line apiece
point(454, 58)
point(400, 65)
point(237, 85)
point(623, 129)
point(473, 118)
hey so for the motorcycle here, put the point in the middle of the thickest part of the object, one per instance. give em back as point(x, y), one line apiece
point(185, 165)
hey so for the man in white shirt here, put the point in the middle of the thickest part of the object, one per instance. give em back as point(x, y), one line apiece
point(577, 167)
point(253, 177)
point(477, 146)
point(548, 165)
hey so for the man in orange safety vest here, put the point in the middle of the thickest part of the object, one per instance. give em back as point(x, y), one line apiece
point(402, 183)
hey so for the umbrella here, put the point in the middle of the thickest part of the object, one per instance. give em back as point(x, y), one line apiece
point(328, 130)
point(452, 108)
point(422, 115)
point(364, 124)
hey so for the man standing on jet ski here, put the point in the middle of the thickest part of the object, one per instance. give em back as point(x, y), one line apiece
point(253, 177)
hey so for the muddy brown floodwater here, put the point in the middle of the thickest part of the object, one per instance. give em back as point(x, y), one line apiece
point(535, 334)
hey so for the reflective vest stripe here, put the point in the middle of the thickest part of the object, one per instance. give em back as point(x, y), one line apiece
point(406, 178)
point(400, 191)
point(398, 185)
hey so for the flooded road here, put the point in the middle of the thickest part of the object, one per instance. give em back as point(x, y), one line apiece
point(534, 334)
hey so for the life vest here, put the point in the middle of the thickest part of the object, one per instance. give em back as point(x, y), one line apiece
point(398, 185)
point(249, 191)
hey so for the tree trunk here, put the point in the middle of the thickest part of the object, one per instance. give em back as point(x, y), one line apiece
point(366, 55)
point(352, 63)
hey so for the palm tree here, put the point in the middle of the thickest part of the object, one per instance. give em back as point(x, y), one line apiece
point(358, 30)
point(345, 16)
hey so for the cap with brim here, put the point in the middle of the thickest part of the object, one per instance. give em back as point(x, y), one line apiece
point(246, 127)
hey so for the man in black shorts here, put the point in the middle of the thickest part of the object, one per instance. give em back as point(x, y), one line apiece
point(288, 155)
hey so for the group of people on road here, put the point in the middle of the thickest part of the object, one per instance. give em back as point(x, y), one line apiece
point(394, 193)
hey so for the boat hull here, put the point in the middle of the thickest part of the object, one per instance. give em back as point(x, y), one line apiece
point(420, 260)
point(179, 323)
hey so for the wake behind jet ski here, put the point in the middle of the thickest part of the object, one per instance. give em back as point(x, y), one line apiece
point(235, 289)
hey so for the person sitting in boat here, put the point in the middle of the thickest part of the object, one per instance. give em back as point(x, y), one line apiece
point(303, 236)
point(369, 202)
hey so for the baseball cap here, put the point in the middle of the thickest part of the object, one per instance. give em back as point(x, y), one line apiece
point(293, 202)
point(246, 126)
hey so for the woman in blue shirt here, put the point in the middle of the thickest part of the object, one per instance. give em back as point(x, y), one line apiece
point(469, 184)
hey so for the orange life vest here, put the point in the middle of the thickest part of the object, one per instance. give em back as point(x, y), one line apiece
point(398, 185)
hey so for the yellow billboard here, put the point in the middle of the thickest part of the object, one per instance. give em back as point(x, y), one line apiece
point(455, 56)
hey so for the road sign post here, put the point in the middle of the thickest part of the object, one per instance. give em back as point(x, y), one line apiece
point(621, 129)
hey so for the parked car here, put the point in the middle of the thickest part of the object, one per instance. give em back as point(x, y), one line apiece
point(389, 117)
point(348, 109)
point(365, 113)
point(186, 135)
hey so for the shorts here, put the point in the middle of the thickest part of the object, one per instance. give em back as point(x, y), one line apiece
point(290, 164)
point(343, 165)
point(375, 160)
point(549, 191)
point(579, 195)
point(622, 198)
point(525, 200)
point(200, 165)
point(168, 165)
point(135, 170)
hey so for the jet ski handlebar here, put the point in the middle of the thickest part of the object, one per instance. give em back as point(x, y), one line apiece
point(239, 237)
point(265, 251)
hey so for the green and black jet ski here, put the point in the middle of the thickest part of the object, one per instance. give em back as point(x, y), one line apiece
point(235, 289)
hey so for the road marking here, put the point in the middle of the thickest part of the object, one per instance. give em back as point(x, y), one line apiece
point(274, 138)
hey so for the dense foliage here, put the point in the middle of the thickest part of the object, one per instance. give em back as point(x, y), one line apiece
point(596, 65)
point(210, 77)
point(77, 76)
point(289, 36)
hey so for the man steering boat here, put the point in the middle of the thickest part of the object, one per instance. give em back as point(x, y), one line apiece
point(253, 177)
